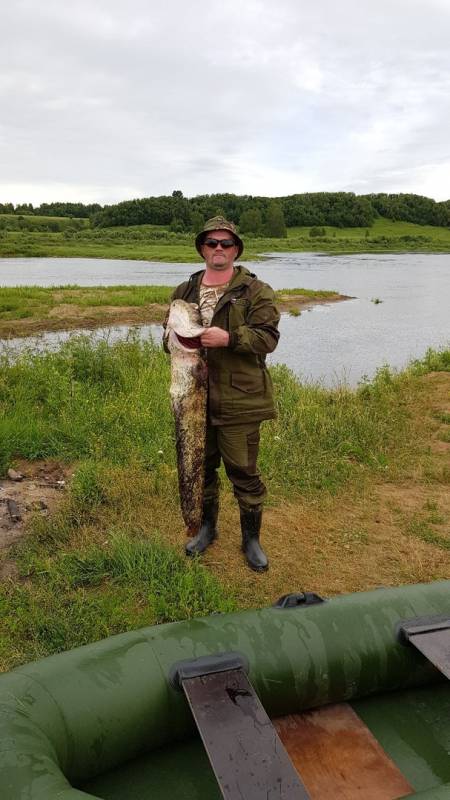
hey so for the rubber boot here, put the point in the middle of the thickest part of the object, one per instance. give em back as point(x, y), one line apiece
point(208, 530)
point(250, 527)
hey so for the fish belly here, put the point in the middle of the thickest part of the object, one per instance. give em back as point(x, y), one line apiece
point(188, 392)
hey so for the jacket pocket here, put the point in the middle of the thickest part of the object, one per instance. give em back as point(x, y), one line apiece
point(249, 383)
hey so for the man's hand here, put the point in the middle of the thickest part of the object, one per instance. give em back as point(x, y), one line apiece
point(215, 337)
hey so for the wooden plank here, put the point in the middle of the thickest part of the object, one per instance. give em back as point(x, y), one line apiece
point(338, 757)
point(245, 752)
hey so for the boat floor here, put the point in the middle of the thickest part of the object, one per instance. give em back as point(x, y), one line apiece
point(337, 756)
point(380, 748)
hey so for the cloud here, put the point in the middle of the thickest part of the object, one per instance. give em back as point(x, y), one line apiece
point(103, 101)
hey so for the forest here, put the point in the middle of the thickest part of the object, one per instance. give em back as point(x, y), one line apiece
point(253, 214)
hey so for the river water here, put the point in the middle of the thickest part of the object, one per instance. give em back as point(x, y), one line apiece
point(334, 343)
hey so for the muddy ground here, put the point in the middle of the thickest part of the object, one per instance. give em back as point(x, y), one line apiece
point(40, 489)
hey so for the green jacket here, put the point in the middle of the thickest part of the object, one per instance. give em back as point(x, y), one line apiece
point(240, 387)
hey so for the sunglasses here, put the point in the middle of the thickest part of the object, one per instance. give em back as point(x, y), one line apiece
point(225, 243)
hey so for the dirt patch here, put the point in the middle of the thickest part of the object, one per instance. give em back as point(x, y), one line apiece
point(9, 571)
point(296, 302)
point(69, 317)
point(68, 311)
point(40, 491)
point(354, 544)
point(64, 310)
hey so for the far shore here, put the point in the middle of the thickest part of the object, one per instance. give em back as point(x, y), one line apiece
point(155, 243)
point(29, 313)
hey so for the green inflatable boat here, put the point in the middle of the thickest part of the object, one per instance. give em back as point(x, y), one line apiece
point(341, 698)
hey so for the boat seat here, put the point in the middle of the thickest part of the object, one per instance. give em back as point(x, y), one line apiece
point(431, 636)
point(243, 747)
point(330, 748)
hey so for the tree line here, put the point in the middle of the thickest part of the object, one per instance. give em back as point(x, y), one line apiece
point(254, 215)
point(75, 210)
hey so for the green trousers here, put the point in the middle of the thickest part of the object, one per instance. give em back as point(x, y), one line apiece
point(237, 446)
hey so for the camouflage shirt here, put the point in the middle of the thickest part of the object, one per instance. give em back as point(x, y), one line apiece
point(209, 297)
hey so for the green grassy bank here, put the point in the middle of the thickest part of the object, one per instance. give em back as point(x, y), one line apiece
point(36, 302)
point(26, 310)
point(109, 403)
point(155, 243)
point(104, 562)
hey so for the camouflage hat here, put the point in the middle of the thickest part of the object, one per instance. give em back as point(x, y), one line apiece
point(219, 224)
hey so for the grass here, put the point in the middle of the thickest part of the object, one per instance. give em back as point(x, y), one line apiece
point(70, 598)
point(110, 401)
point(41, 223)
point(36, 302)
point(32, 309)
point(384, 234)
point(105, 561)
point(86, 401)
point(419, 526)
point(154, 243)
point(381, 227)
point(313, 294)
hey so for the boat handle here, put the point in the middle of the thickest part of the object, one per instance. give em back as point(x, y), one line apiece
point(297, 599)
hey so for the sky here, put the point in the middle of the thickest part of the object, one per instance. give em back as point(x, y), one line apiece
point(103, 101)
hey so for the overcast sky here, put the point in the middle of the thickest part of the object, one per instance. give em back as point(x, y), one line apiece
point(102, 101)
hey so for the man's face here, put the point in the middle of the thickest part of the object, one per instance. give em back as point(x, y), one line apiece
point(219, 258)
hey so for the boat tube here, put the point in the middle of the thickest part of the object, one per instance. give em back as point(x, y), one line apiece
point(85, 723)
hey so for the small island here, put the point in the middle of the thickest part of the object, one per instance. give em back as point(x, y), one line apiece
point(27, 311)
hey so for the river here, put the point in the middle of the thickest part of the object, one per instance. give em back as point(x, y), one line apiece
point(333, 343)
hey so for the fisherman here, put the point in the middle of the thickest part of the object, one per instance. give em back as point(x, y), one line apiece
point(240, 319)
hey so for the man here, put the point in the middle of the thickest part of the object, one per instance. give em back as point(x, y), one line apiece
point(241, 326)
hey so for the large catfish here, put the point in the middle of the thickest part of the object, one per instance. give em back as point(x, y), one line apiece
point(188, 393)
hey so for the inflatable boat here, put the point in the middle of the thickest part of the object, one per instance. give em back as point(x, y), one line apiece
point(341, 698)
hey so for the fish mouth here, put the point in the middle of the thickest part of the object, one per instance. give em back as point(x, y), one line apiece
point(191, 343)
point(184, 325)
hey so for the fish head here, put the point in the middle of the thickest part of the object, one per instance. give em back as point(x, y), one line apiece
point(184, 326)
